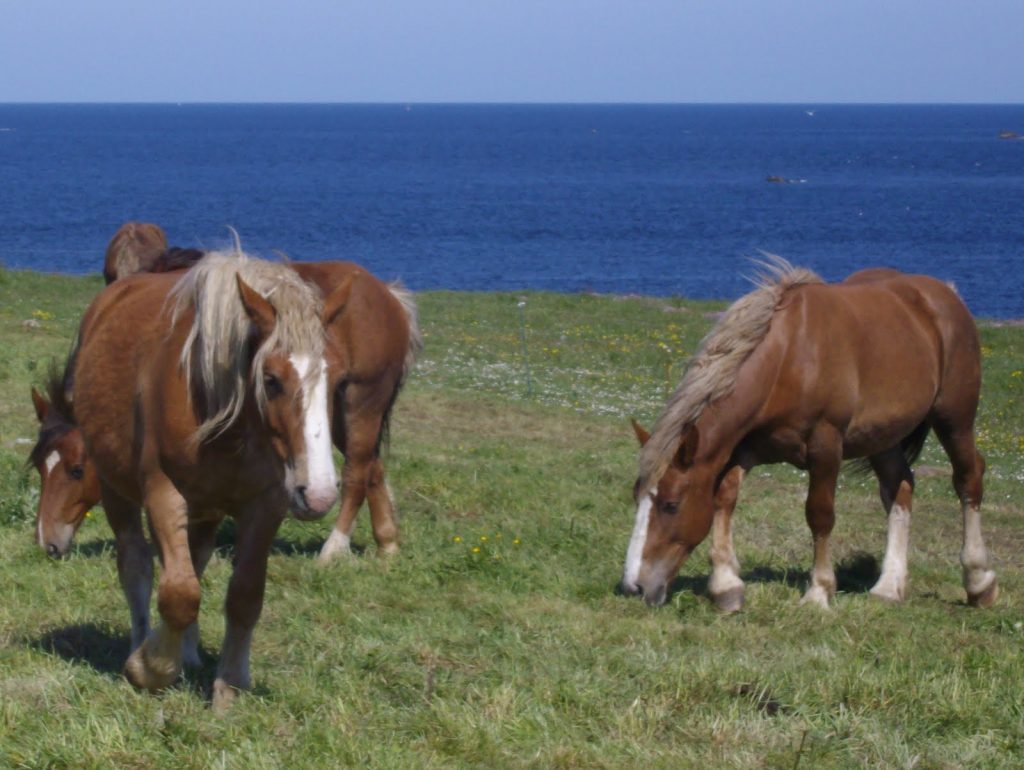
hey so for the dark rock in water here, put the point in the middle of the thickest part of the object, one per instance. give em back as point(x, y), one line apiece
point(774, 179)
point(1010, 135)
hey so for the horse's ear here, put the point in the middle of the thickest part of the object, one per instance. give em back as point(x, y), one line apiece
point(688, 447)
point(41, 404)
point(641, 434)
point(338, 298)
point(260, 311)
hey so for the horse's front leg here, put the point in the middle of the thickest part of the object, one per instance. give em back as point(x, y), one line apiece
point(825, 456)
point(725, 585)
point(202, 539)
point(157, 662)
point(134, 560)
point(256, 527)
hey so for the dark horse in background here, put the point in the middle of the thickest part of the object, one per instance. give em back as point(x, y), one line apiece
point(135, 248)
point(811, 374)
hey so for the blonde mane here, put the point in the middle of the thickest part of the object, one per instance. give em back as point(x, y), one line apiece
point(711, 373)
point(408, 302)
point(215, 355)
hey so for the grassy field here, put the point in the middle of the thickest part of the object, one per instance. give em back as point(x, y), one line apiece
point(495, 638)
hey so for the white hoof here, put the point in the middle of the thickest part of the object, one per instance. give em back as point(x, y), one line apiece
point(338, 544)
point(816, 595)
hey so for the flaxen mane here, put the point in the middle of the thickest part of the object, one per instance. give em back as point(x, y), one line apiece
point(215, 355)
point(711, 373)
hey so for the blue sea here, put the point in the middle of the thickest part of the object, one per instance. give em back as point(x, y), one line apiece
point(604, 198)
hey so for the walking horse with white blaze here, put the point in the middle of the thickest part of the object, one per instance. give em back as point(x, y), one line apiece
point(199, 395)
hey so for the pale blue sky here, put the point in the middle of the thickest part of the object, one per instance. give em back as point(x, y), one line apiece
point(513, 50)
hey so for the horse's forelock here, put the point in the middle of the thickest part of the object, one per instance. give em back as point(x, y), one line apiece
point(216, 352)
point(711, 373)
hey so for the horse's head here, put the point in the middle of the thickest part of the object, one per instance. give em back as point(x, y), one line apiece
point(68, 485)
point(672, 518)
point(293, 392)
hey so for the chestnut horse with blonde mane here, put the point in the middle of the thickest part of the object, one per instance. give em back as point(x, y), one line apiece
point(200, 395)
point(812, 374)
point(379, 340)
point(135, 247)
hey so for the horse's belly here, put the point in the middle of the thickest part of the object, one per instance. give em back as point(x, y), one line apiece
point(869, 436)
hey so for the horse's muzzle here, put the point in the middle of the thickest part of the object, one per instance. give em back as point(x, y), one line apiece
point(653, 598)
point(307, 505)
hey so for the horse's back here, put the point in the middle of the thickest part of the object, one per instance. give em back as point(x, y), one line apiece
point(120, 332)
point(873, 354)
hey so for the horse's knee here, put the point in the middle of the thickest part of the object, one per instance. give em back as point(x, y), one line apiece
point(178, 601)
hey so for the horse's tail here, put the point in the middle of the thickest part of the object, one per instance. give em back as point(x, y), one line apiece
point(408, 303)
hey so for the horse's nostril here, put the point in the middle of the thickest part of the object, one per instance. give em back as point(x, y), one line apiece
point(630, 590)
point(52, 551)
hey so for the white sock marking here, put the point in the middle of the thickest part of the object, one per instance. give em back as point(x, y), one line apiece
point(974, 555)
point(337, 543)
point(892, 584)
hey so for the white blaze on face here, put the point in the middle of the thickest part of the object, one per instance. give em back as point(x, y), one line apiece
point(321, 479)
point(635, 552)
point(51, 461)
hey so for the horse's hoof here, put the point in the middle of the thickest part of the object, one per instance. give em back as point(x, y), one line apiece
point(818, 596)
point(150, 675)
point(888, 594)
point(387, 549)
point(224, 696)
point(730, 600)
point(338, 544)
point(986, 598)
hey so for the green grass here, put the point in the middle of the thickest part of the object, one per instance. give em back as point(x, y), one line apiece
point(495, 639)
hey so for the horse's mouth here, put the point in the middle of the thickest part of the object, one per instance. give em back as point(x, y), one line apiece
point(302, 510)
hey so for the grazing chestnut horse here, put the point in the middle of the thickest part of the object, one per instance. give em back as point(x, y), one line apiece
point(133, 249)
point(811, 374)
point(198, 395)
point(379, 339)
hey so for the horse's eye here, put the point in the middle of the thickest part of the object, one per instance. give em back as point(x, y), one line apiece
point(670, 507)
point(76, 472)
point(272, 386)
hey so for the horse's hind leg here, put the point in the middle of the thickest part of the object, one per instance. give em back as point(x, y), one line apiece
point(363, 476)
point(134, 561)
point(968, 470)
point(896, 488)
point(725, 585)
point(382, 509)
point(824, 453)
